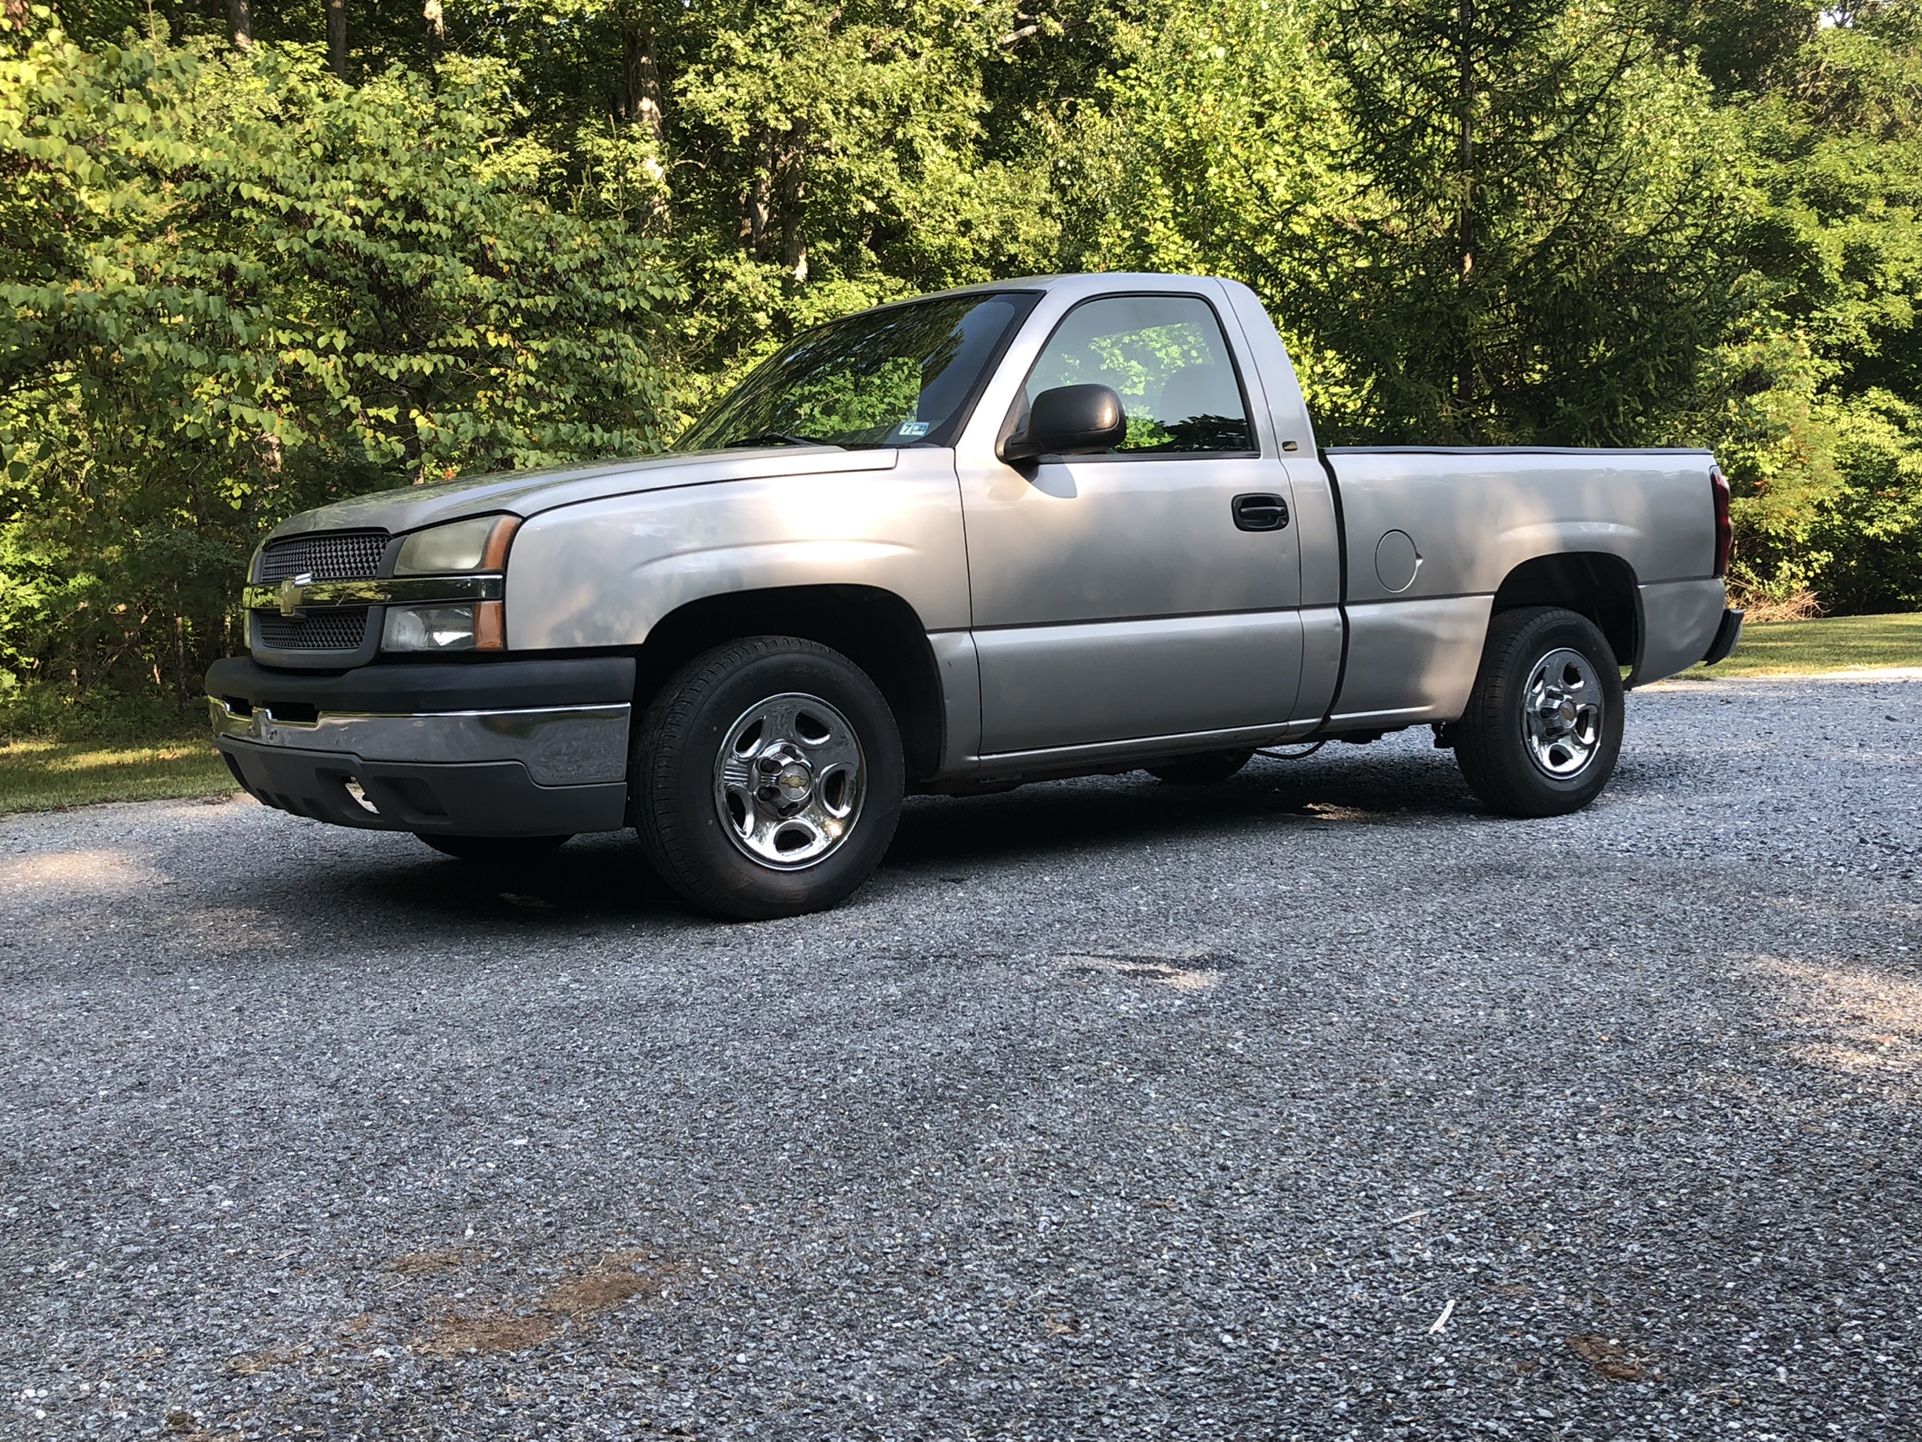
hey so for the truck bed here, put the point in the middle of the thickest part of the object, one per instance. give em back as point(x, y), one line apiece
point(1429, 534)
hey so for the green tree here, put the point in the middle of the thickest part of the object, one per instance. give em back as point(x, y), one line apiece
point(1488, 222)
point(1813, 404)
point(233, 283)
point(237, 287)
point(1217, 147)
point(1539, 194)
point(828, 158)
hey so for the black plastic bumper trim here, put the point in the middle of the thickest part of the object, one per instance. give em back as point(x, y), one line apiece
point(422, 689)
point(1726, 635)
point(480, 798)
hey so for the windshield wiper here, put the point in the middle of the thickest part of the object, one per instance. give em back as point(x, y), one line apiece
point(778, 438)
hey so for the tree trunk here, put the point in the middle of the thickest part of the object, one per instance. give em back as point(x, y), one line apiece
point(181, 670)
point(795, 254)
point(436, 29)
point(337, 37)
point(640, 96)
point(774, 205)
point(240, 22)
point(757, 202)
point(14, 13)
point(793, 201)
point(1465, 237)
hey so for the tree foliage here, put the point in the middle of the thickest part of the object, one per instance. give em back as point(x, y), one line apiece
point(1813, 391)
point(237, 287)
point(254, 257)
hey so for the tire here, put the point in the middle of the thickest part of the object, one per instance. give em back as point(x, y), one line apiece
point(1200, 770)
point(766, 779)
point(1517, 758)
point(494, 850)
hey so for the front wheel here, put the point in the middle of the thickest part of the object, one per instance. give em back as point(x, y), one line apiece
point(1544, 723)
point(767, 778)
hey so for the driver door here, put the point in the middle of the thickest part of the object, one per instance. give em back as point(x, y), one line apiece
point(1122, 596)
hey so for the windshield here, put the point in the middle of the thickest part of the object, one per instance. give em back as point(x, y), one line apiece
point(900, 376)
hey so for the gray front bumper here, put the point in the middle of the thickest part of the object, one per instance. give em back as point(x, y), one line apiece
point(526, 770)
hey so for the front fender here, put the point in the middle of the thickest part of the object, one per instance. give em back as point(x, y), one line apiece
point(603, 573)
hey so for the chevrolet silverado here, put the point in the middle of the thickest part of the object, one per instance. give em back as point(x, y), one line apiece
point(1033, 529)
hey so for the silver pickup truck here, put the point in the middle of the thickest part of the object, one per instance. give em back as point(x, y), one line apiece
point(1036, 529)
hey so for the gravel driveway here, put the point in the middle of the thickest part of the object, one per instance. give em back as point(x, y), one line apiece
point(1314, 1104)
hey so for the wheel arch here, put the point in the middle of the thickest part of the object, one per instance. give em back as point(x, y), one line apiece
point(1594, 584)
point(874, 628)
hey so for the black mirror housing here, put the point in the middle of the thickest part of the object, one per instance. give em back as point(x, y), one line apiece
point(1068, 421)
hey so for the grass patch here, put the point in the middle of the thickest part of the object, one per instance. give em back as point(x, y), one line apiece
point(48, 775)
point(1838, 643)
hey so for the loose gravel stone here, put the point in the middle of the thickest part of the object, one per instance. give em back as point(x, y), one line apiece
point(1314, 1104)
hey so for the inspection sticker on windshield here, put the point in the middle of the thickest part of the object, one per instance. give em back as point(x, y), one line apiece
point(912, 428)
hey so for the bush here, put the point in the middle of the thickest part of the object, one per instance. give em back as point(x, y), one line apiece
point(235, 288)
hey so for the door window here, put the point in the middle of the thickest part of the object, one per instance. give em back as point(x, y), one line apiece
point(1164, 355)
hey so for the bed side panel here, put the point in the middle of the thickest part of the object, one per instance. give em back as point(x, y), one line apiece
point(1431, 534)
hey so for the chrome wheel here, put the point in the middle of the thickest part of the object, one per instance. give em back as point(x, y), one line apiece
point(1562, 713)
point(788, 781)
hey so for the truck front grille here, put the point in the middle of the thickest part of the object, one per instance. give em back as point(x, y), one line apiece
point(336, 628)
point(324, 555)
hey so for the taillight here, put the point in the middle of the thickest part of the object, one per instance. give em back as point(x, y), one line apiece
point(1724, 527)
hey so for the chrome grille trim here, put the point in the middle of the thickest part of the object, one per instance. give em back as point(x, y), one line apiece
point(324, 555)
point(398, 590)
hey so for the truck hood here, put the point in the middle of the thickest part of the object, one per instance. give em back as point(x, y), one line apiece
point(527, 493)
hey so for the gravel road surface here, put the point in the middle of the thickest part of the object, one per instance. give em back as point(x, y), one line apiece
point(1315, 1104)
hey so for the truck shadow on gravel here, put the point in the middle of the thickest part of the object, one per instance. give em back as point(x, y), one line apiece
point(607, 877)
point(1132, 808)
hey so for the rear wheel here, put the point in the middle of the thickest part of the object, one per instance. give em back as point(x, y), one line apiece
point(1200, 770)
point(1544, 722)
point(767, 778)
point(494, 850)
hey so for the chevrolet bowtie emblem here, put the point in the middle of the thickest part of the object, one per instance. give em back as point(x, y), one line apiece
point(292, 590)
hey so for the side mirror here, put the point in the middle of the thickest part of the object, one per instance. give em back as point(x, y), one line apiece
point(1067, 421)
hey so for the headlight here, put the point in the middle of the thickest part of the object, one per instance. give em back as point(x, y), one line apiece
point(476, 544)
point(457, 548)
point(453, 626)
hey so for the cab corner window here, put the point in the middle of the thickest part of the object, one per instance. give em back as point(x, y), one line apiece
point(1165, 356)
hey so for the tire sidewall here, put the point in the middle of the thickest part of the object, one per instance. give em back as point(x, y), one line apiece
point(682, 772)
point(1556, 631)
